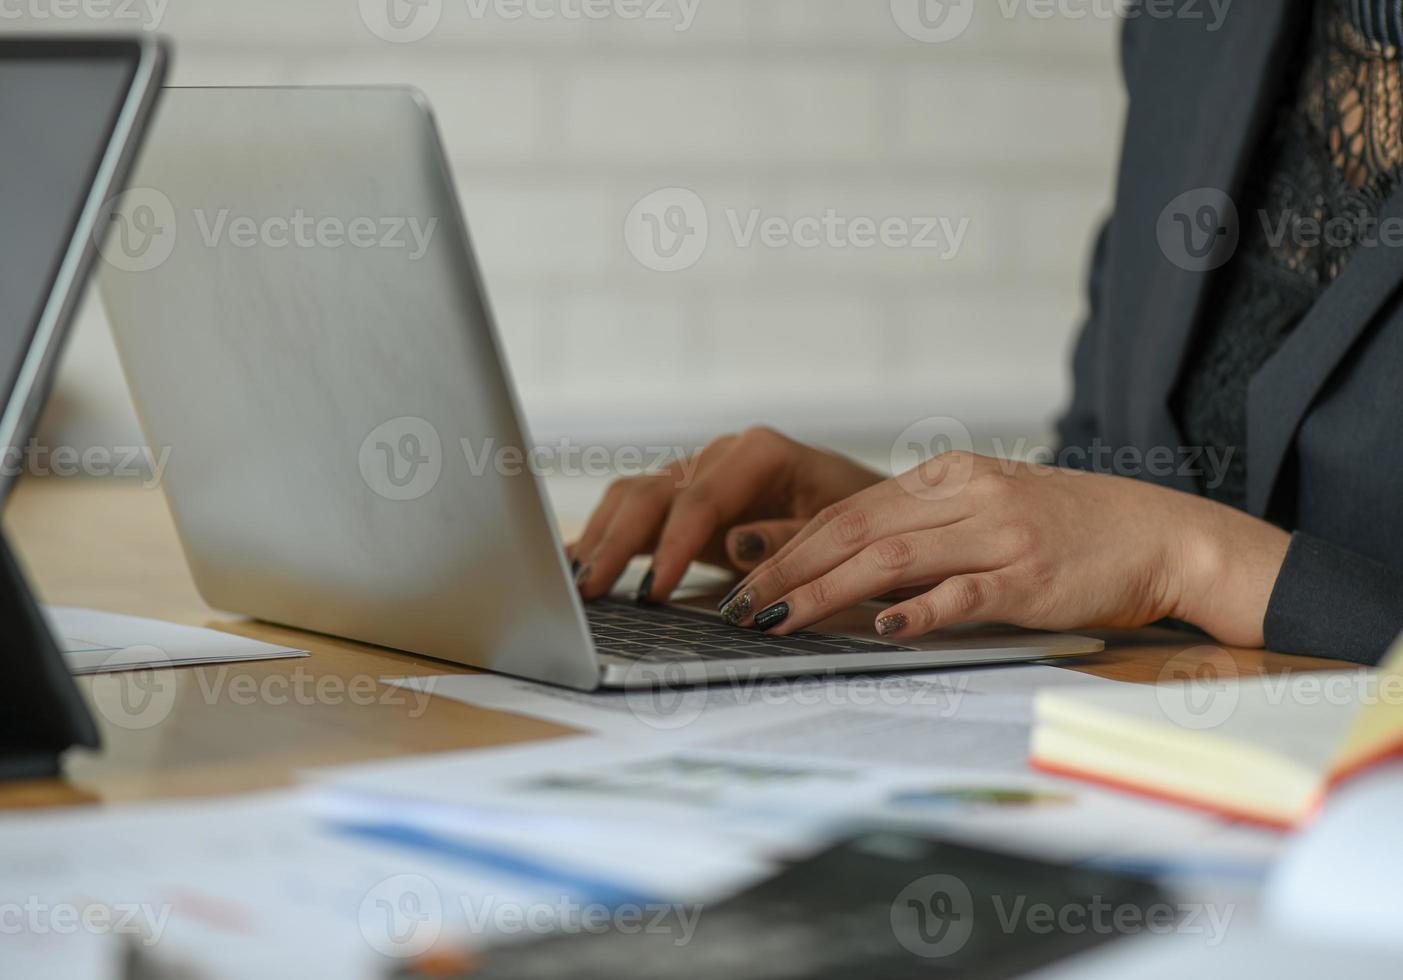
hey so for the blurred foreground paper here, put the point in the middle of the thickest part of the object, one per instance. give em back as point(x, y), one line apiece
point(95, 642)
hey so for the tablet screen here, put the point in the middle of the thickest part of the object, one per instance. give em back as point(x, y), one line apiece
point(57, 115)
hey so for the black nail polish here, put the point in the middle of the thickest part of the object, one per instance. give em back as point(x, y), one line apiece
point(730, 595)
point(574, 567)
point(645, 588)
point(768, 619)
point(750, 547)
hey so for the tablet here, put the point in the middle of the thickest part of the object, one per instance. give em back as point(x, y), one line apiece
point(72, 112)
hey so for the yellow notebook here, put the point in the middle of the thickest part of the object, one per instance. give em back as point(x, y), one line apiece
point(1265, 749)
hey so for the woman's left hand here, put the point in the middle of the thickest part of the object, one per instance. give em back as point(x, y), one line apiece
point(1037, 546)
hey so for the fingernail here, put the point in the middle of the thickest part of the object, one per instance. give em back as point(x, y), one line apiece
point(750, 547)
point(730, 595)
point(582, 575)
point(737, 609)
point(888, 625)
point(645, 588)
point(574, 567)
point(768, 619)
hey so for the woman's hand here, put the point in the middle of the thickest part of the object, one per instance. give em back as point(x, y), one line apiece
point(1033, 545)
point(735, 504)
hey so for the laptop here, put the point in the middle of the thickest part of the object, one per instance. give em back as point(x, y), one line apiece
point(72, 112)
point(317, 352)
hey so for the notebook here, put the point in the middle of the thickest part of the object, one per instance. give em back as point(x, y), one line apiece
point(1263, 749)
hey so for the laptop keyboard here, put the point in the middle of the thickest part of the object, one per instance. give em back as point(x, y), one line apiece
point(634, 632)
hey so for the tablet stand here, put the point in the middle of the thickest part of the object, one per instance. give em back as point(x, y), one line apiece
point(41, 712)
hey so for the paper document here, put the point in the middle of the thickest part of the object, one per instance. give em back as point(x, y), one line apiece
point(1002, 694)
point(273, 886)
point(649, 798)
point(96, 642)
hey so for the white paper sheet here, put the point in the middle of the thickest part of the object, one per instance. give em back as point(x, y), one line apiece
point(279, 885)
point(1002, 694)
point(97, 642)
point(653, 794)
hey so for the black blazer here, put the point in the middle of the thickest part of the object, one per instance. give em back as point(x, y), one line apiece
point(1325, 429)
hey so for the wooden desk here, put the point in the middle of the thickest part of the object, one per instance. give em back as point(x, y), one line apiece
point(111, 545)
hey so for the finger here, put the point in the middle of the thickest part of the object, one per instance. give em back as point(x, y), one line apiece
point(864, 497)
point(887, 490)
point(599, 520)
point(631, 531)
point(925, 555)
point(586, 551)
point(844, 537)
point(717, 497)
point(961, 599)
point(747, 545)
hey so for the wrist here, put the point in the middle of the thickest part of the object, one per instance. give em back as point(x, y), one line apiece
point(1229, 563)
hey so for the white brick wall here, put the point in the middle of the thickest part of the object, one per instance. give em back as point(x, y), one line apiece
point(792, 107)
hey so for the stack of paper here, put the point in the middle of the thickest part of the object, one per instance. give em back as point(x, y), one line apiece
point(96, 642)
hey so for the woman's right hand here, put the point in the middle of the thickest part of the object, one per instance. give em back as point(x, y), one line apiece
point(733, 505)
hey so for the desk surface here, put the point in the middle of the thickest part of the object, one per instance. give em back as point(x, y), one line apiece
point(111, 545)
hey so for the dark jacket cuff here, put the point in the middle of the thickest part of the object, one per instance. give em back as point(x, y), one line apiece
point(1332, 602)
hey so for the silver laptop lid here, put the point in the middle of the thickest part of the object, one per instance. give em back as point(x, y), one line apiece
point(308, 337)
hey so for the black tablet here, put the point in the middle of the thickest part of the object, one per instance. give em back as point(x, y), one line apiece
point(72, 113)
